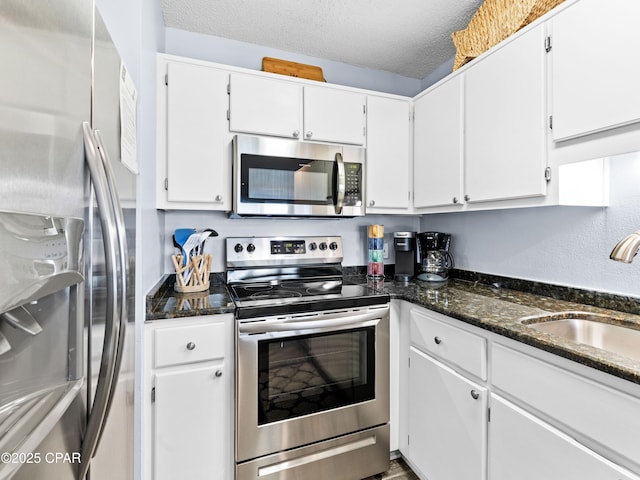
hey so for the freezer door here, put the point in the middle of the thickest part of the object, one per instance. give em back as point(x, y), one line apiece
point(44, 97)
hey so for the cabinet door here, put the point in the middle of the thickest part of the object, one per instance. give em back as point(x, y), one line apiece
point(505, 146)
point(336, 116)
point(198, 142)
point(264, 106)
point(438, 146)
point(388, 154)
point(191, 407)
point(523, 447)
point(595, 69)
point(447, 425)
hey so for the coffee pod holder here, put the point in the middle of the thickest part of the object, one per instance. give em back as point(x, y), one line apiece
point(375, 251)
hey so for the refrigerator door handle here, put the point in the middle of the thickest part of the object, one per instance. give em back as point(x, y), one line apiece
point(110, 240)
point(124, 266)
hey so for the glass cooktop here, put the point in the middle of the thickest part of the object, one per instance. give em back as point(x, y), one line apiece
point(260, 299)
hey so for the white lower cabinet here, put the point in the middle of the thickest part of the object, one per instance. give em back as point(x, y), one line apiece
point(190, 411)
point(448, 421)
point(188, 445)
point(524, 415)
point(523, 447)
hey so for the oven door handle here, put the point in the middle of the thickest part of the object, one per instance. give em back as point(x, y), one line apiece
point(328, 321)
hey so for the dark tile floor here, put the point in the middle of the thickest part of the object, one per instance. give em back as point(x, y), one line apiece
point(398, 470)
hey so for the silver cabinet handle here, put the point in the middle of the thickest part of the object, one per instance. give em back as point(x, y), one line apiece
point(309, 134)
point(372, 203)
point(467, 198)
point(438, 340)
point(191, 346)
point(218, 373)
point(296, 133)
point(218, 198)
point(455, 199)
point(474, 394)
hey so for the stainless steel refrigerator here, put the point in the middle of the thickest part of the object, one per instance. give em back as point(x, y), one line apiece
point(67, 248)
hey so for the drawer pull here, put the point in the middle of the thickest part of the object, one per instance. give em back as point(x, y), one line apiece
point(438, 340)
point(218, 373)
point(475, 395)
point(191, 346)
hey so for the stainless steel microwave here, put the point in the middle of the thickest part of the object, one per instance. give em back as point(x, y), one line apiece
point(282, 177)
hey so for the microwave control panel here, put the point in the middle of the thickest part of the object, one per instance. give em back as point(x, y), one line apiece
point(353, 184)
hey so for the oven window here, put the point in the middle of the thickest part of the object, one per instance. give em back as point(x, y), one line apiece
point(312, 373)
point(286, 180)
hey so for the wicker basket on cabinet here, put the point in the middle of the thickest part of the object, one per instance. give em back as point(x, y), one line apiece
point(493, 22)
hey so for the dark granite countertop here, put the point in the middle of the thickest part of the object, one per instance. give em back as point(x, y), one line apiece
point(490, 302)
point(498, 304)
point(164, 302)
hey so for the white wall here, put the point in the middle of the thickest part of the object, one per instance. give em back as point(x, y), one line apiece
point(352, 230)
point(561, 245)
point(247, 55)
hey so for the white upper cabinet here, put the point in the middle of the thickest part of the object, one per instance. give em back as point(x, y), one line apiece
point(595, 72)
point(264, 106)
point(198, 145)
point(334, 115)
point(438, 142)
point(283, 108)
point(505, 110)
point(388, 155)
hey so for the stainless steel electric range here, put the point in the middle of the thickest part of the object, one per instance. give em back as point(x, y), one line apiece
point(312, 352)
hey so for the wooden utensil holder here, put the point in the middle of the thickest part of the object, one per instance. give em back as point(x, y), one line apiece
point(197, 268)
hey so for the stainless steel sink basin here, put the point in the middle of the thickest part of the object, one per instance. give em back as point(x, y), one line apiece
point(590, 329)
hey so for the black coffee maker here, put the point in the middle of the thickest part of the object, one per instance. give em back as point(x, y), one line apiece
point(404, 245)
point(434, 259)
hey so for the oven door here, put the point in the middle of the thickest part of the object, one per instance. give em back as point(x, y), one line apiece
point(303, 379)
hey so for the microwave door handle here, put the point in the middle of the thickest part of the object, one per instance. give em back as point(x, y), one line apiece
point(340, 184)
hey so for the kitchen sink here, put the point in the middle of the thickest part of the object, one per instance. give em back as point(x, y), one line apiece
point(590, 329)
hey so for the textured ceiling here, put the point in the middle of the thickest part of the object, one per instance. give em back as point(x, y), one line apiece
point(410, 37)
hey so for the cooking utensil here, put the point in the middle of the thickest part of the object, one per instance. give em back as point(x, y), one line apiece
point(192, 241)
point(181, 235)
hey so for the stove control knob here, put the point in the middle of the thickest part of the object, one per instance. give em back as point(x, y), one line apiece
point(238, 248)
point(313, 246)
point(251, 248)
point(323, 246)
point(333, 246)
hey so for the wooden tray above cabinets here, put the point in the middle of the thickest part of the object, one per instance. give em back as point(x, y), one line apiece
point(292, 69)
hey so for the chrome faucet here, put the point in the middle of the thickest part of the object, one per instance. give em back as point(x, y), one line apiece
point(627, 248)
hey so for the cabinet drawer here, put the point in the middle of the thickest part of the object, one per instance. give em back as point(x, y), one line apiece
point(193, 343)
point(452, 344)
point(600, 413)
